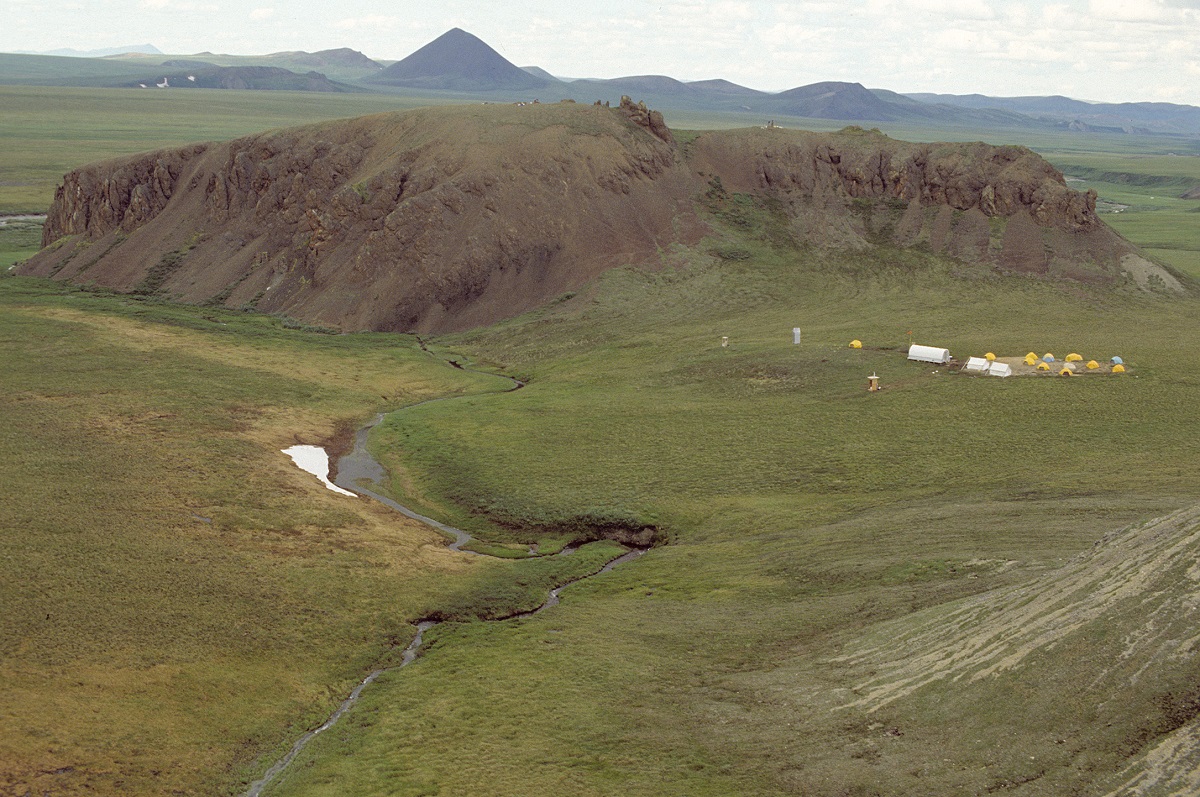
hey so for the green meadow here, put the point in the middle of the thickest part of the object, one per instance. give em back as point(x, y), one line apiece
point(1140, 195)
point(177, 594)
point(181, 602)
point(18, 240)
point(800, 512)
point(45, 131)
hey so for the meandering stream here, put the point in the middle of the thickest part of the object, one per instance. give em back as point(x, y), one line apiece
point(353, 470)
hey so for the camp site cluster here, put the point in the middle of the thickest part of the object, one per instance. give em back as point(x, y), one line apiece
point(990, 365)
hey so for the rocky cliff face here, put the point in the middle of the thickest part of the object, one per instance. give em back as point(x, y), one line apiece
point(445, 219)
point(999, 181)
point(431, 220)
point(115, 195)
point(1005, 207)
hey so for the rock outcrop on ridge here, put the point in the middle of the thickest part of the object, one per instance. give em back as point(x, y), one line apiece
point(448, 218)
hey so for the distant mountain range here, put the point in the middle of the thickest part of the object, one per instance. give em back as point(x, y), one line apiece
point(145, 49)
point(460, 64)
point(1097, 116)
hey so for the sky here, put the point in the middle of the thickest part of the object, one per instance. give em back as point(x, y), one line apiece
point(1101, 50)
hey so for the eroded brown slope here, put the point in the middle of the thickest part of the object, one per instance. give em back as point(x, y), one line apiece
point(429, 220)
point(448, 218)
point(1002, 206)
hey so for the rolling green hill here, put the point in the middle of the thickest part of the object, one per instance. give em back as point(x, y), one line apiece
point(54, 70)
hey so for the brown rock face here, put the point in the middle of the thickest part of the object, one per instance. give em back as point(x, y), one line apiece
point(653, 121)
point(445, 219)
point(1005, 207)
point(857, 164)
point(115, 195)
point(431, 220)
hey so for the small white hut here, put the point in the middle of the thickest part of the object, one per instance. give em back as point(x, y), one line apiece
point(928, 354)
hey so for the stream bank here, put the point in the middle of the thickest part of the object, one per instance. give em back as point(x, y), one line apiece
point(354, 471)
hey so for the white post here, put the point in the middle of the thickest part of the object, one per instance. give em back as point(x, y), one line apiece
point(796, 336)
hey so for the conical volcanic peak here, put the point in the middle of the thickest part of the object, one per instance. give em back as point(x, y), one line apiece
point(458, 61)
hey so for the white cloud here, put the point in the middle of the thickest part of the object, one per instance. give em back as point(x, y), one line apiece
point(1132, 10)
point(959, 39)
point(178, 6)
point(369, 22)
point(1039, 53)
point(262, 13)
point(953, 9)
point(1058, 20)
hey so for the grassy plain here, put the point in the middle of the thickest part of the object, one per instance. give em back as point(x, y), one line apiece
point(45, 132)
point(18, 240)
point(176, 594)
point(802, 512)
point(163, 564)
point(1141, 194)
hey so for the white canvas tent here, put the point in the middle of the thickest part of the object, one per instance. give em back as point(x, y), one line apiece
point(981, 365)
point(928, 354)
point(1000, 369)
point(976, 364)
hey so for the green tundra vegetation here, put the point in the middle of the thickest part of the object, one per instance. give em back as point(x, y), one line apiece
point(18, 240)
point(801, 512)
point(46, 131)
point(176, 592)
point(181, 602)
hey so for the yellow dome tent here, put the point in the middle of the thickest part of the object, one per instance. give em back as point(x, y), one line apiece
point(990, 357)
point(856, 344)
point(1118, 369)
point(1043, 366)
point(1031, 359)
point(1066, 372)
point(1074, 358)
point(1092, 365)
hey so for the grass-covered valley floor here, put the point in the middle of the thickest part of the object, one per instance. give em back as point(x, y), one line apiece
point(179, 599)
point(954, 586)
point(183, 601)
point(803, 512)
